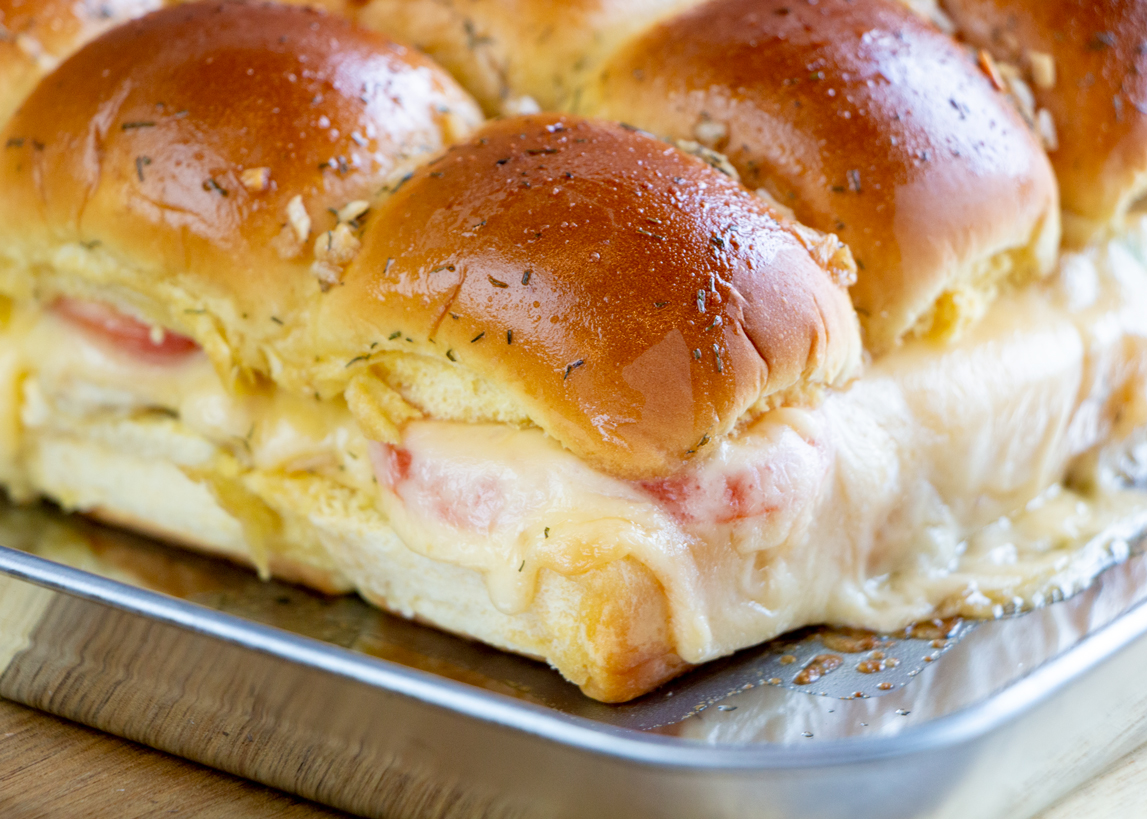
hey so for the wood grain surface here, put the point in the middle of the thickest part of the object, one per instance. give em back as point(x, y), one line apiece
point(50, 767)
point(1120, 791)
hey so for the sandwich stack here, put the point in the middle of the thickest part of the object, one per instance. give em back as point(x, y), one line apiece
point(619, 334)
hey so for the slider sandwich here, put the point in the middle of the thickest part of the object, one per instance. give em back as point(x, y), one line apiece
point(625, 398)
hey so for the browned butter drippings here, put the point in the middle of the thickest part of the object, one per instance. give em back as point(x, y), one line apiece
point(874, 665)
point(850, 640)
point(819, 666)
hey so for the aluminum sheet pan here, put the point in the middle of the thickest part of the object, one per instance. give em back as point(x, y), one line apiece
point(337, 702)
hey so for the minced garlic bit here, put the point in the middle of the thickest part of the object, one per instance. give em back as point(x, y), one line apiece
point(930, 11)
point(327, 274)
point(712, 158)
point(287, 244)
point(828, 251)
point(709, 132)
point(988, 66)
point(1024, 98)
point(1045, 126)
point(352, 210)
point(256, 179)
point(337, 246)
point(520, 105)
point(1008, 71)
point(32, 48)
point(298, 218)
point(1043, 69)
point(333, 251)
point(455, 127)
point(290, 241)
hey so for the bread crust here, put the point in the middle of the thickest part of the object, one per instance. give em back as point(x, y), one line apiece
point(282, 567)
point(634, 300)
point(1096, 93)
point(607, 630)
point(36, 35)
point(866, 122)
point(193, 159)
point(504, 50)
point(576, 275)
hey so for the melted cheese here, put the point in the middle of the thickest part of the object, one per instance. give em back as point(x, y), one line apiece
point(908, 493)
point(72, 380)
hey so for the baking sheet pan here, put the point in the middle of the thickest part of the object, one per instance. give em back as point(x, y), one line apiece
point(337, 702)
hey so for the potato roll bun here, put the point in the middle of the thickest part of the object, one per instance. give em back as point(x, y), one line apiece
point(205, 167)
point(867, 122)
point(1086, 68)
point(631, 300)
point(505, 50)
point(35, 35)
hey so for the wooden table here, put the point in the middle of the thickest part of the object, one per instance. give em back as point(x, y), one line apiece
point(50, 767)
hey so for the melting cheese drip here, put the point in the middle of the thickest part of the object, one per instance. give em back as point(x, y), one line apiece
point(935, 482)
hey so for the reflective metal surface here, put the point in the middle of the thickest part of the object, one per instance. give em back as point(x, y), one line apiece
point(337, 702)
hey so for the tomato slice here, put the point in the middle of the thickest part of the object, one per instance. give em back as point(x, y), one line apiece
point(125, 333)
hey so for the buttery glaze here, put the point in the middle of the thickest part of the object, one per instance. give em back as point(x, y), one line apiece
point(1095, 92)
point(636, 300)
point(909, 493)
point(877, 506)
point(866, 122)
point(36, 35)
point(200, 149)
point(515, 55)
point(806, 516)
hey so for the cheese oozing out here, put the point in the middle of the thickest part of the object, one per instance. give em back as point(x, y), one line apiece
point(914, 490)
point(933, 483)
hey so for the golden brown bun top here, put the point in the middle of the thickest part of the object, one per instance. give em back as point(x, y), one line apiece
point(632, 298)
point(35, 35)
point(166, 155)
point(1096, 92)
point(863, 119)
point(503, 49)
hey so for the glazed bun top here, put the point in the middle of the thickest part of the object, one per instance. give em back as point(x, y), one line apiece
point(631, 299)
point(1086, 66)
point(867, 122)
point(504, 50)
point(199, 162)
point(36, 35)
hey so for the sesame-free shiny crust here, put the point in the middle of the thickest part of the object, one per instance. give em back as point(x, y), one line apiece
point(864, 120)
point(37, 35)
point(636, 300)
point(1097, 97)
point(140, 146)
